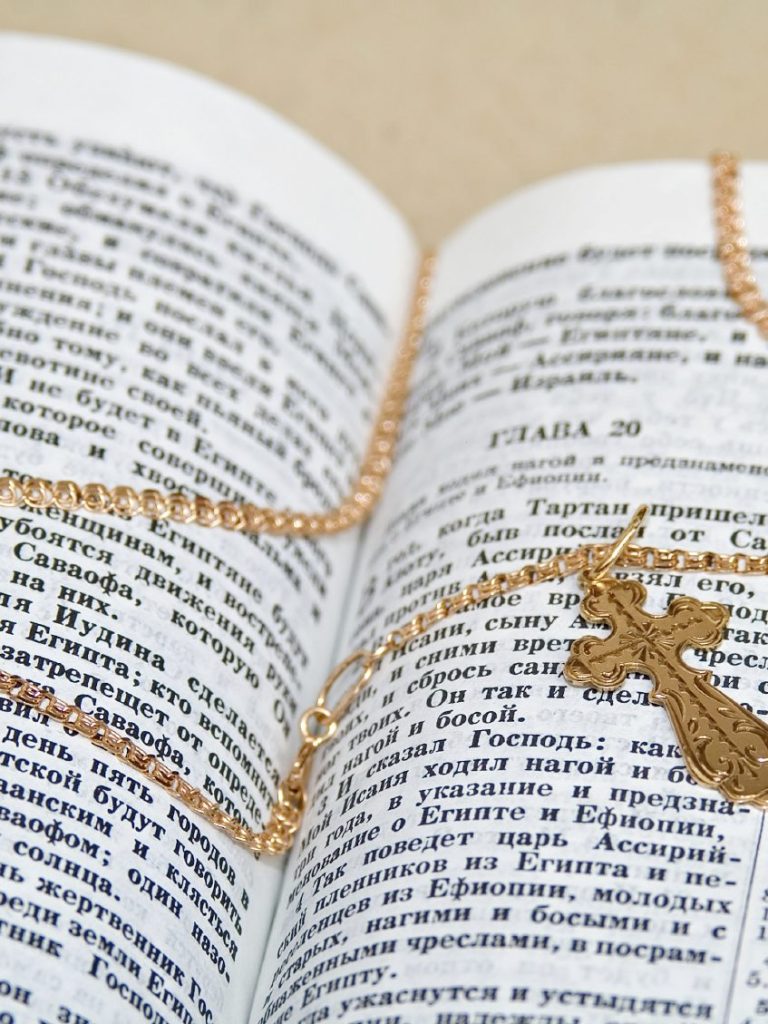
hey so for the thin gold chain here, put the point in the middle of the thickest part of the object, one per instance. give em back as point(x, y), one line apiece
point(732, 244)
point(125, 501)
point(319, 723)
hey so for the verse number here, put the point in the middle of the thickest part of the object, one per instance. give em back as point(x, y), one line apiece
point(625, 428)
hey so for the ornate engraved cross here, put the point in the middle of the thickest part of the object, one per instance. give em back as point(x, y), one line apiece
point(723, 745)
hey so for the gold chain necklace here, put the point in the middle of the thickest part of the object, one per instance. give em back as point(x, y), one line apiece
point(124, 501)
point(702, 716)
point(732, 245)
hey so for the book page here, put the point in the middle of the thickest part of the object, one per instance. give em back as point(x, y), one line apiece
point(193, 297)
point(488, 842)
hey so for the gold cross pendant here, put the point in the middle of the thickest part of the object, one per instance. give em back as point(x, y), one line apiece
point(724, 746)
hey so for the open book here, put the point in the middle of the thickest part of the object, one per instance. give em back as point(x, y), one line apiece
point(194, 296)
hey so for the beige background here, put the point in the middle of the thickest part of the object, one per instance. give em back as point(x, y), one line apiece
point(447, 105)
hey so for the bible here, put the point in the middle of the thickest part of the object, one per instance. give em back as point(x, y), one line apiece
point(195, 297)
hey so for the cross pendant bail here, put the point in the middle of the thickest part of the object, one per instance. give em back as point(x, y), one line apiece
point(618, 547)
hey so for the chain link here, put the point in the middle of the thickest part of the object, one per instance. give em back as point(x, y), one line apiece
point(732, 244)
point(126, 502)
point(319, 723)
